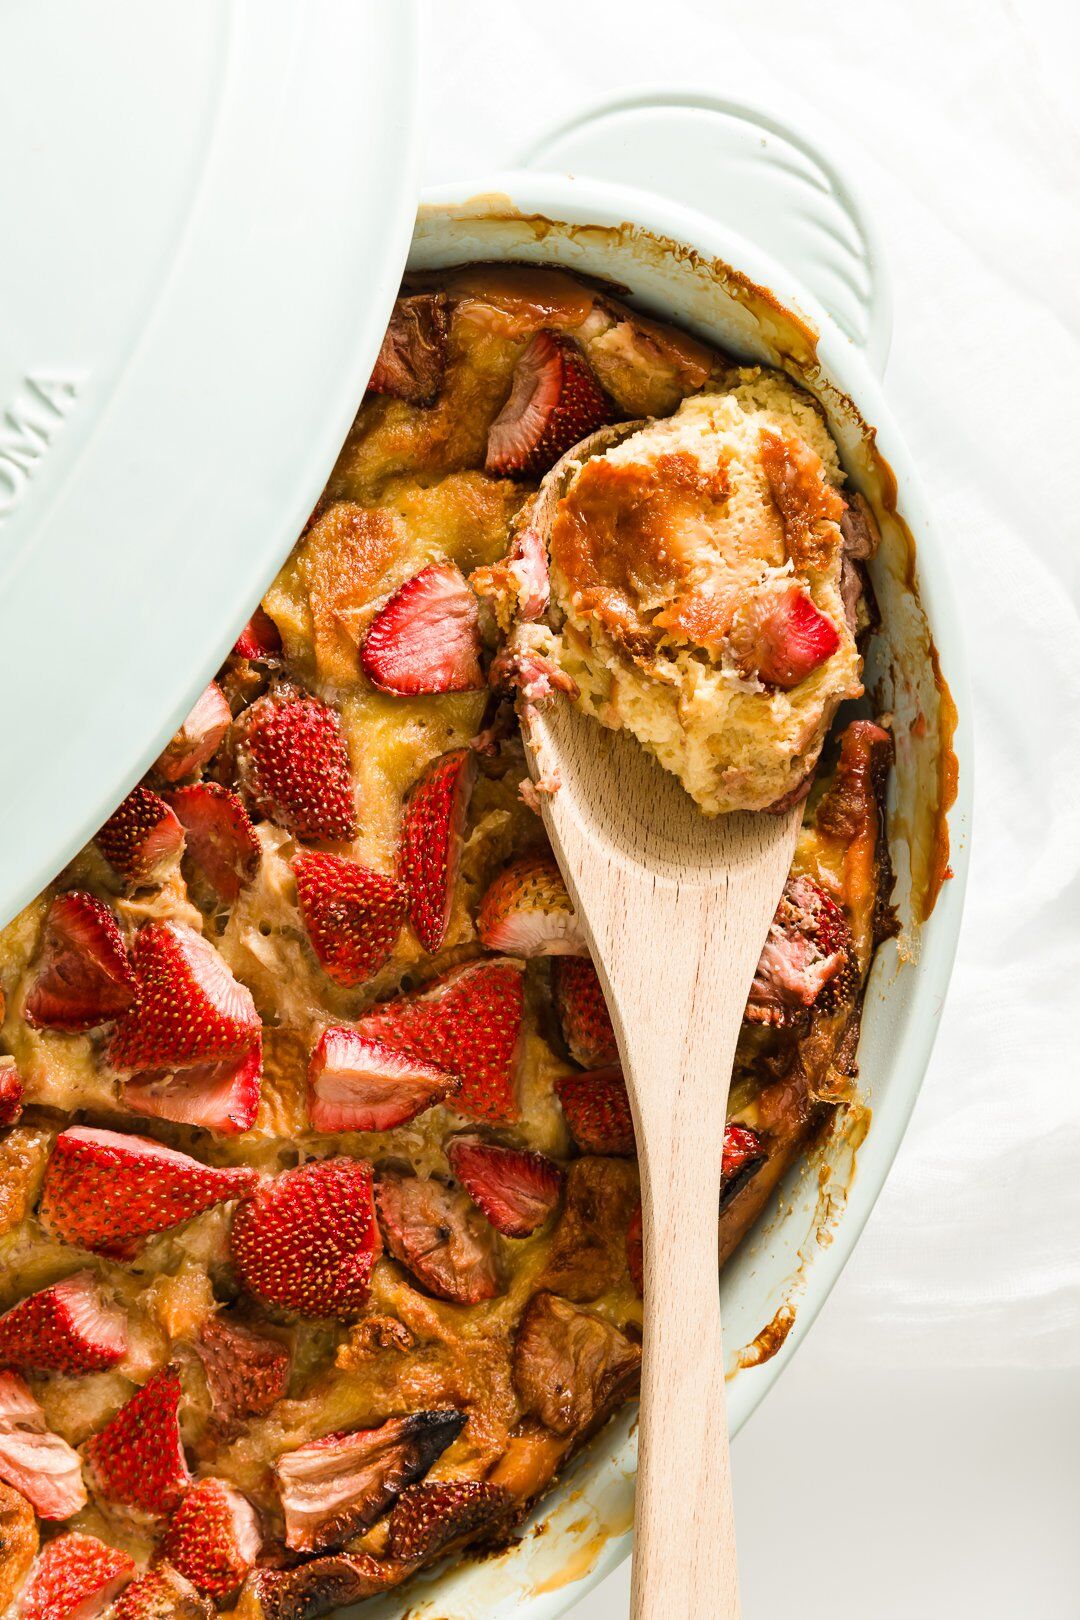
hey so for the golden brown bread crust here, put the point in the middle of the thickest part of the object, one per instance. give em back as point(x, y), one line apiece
point(18, 1543)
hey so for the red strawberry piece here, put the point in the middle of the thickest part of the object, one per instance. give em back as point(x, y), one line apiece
point(597, 1111)
point(427, 637)
point(220, 1096)
point(69, 1327)
point(528, 912)
point(308, 1240)
point(247, 1373)
point(161, 1594)
point(294, 767)
point(142, 839)
point(11, 1091)
point(469, 1022)
point(352, 915)
point(427, 1519)
point(33, 1460)
point(782, 638)
point(555, 400)
point(807, 960)
point(432, 832)
point(435, 1233)
point(744, 1151)
point(517, 1190)
point(582, 1012)
point(109, 1192)
point(84, 974)
point(259, 639)
point(76, 1578)
point(221, 842)
point(318, 1586)
point(213, 1538)
point(635, 1251)
point(338, 1486)
point(412, 358)
point(199, 737)
point(359, 1084)
point(137, 1460)
point(188, 1007)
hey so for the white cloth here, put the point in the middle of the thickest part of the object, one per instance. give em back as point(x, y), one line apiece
point(962, 120)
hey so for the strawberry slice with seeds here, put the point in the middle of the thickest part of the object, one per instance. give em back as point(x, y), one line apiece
point(188, 1007)
point(213, 1538)
point(432, 833)
point(222, 844)
point(76, 1578)
point(11, 1091)
point(597, 1111)
point(308, 1240)
point(429, 1518)
point(436, 1234)
point(744, 1151)
point(222, 1096)
point(427, 637)
point(582, 1012)
point(293, 767)
point(468, 1022)
point(359, 1084)
point(352, 915)
point(137, 1460)
point(247, 1373)
point(635, 1251)
point(84, 975)
point(555, 400)
point(528, 912)
point(109, 1192)
point(161, 1594)
point(69, 1327)
point(259, 640)
point(33, 1460)
point(517, 1190)
point(782, 638)
point(808, 958)
point(198, 739)
point(142, 839)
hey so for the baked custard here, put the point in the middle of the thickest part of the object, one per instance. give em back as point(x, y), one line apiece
point(319, 1215)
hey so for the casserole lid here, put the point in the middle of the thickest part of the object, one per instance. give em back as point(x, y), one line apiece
point(208, 211)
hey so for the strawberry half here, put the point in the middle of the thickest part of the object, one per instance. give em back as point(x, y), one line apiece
point(188, 1007)
point(635, 1252)
point(199, 737)
point(352, 915)
point(744, 1151)
point(161, 1594)
point(222, 1096)
point(808, 958)
point(11, 1091)
point(221, 842)
point(359, 1084)
point(142, 839)
point(528, 912)
point(69, 1327)
point(782, 638)
point(412, 358)
point(517, 1190)
point(246, 1373)
point(427, 1519)
point(213, 1538)
point(435, 1233)
point(432, 833)
point(76, 1578)
point(137, 1460)
point(109, 1192)
point(582, 1012)
point(470, 1023)
point(84, 975)
point(259, 639)
point(427, 637)
point(555, 400)
point(308, 1241)
point(293, 766)
point(33, 1460)
point(597, 1111)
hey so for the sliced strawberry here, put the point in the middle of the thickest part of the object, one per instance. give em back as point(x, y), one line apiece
point(319, 1586)
point(528, 912)
point(247, 1373)
point(338, 1486)
point(432, 832)
point(516, 1190)
point(161, 1594)
point(76, 1578)
point(427, 1519)
point(635, 1251)
point(199, 738)
point(84, 975)
point(582, 1012)
point(782, 638)
point(34, 1460)
point(220, 1096)
point(222, 844)
point(69, 1327)
point(259, 639)
point(137, 1460)
point(142, 839)
point(11, 1091)
point(427, 637)
point(352, 915)
point(188, 1007)
point(213, 1538)
point(436, 1234)
point(108, 1192)
point(308, 1241)
point(293, 766)
point(744, 1151)
point(359, 1084)
point(572, 1368)
point(597, 1111)
point(412, 358)
point(808, 958)
point(555, 400)
point(469, 1022)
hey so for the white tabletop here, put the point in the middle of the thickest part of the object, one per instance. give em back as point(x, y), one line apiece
point(909, 1463)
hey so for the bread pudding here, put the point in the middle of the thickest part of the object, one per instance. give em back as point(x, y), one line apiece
point(319, 1211)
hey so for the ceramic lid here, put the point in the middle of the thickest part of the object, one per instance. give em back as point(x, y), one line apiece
point(207, 208)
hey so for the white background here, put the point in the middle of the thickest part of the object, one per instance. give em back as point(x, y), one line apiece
point(921, 1457)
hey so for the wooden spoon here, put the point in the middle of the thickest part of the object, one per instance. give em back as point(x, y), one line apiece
point(675, 907)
